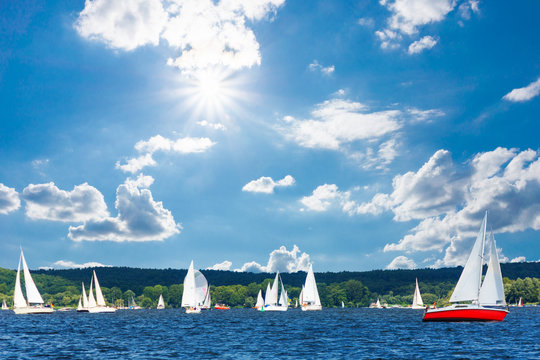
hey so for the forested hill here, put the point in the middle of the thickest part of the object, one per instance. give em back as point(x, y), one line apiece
point(379, 281)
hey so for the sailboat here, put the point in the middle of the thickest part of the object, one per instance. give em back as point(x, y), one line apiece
point(417, 302)
point(195, 290)
point(271, 302)
point(376, 305)
point(4, 305)
point(519, 303)
point(487, 298)
point(310, 298)
point(83, 306)
point(133, 305)
point(35, 301)
point(342, 305)
point(259, 305)
point(160, 303)
point(207, 303)
point(97, 304)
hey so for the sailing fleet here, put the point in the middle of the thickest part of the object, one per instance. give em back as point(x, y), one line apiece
point(475, 297)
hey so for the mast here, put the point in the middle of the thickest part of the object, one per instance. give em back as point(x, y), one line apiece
point(482, 255)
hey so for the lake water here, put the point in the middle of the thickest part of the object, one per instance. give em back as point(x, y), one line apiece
point(248, 334)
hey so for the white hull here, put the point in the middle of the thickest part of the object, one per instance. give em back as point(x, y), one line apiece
point(193, 311)
point(160, 307)
point(33, 310)
point(101, 309)
point(275, 308)
point(311, 307)
point(418, 307)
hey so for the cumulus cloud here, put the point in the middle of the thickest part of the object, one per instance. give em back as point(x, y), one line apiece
point(226, 265)
point(408, 15)
point(315, 66)
point(186, 145)
point(427, 42)
point(204, 33)
point(140, 217)
point(72, 265)
point(325, 196)
point(401, 262)
point(266, 184)
point(9, 199)
point(48, 202)
point(518, 259)
point(280, 260)
point(525, 93)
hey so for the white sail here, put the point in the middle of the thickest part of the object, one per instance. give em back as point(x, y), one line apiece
point(260, 301)
point(492, 290)
point(4, 305)
point(417, 298)
point(468, 285)
point(283, 300)
point(100, 300)
point(267, 294)
point(189, 296)
point(32, 294)
point(84, 297)
point(18, 298)
point(161, 303)
point(91, 298)
point(80, 307)
point(301, 296)
point(310, 292)
point(201, 287)
point(207, 303)
point(272, 297)
point(342, 304)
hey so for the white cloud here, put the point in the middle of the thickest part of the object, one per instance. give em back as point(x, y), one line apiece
point(139, 218)
point(281, 260)
point(215, 126)
point(323, 197)
point(226, 265)
point(205, 33)
point(72, 265)
point(401, 262)
point(525, 93)
point(427, 42)
point(122, 24)
point(408, 15)
point(9, 199)
point(266, 184)
point(48, 202)
point(367, 22)
point(186, 145)
point(518, 259)
point(315, 66)
point(467, 7)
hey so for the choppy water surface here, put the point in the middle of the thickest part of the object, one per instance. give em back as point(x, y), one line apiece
point(248, 334)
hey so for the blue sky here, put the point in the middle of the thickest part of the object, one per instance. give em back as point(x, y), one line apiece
point(268, 134)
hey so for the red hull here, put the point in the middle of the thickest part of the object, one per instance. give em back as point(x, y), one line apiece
point(475, 314)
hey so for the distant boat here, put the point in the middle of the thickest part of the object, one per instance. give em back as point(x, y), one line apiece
point(97, 304)
point(133, 305)
point(417, 302)
point(195, 290)
point(487, 298)
point(260, 301)
point(520, 302)
point(342, 305)
point(83, 306)
point(4, 305)
point(310, 299)
point(160, 303)
point(296, 303)
point(376, 305)
point(271, 300)
point(35, 301)
point(221, 307)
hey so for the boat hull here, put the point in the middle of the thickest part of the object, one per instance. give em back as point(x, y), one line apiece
point(101, 309)
point(82, 310)
point(311, 307)
point(33, 310)
point(193, 310)
point(472, 313)
point(275, 308)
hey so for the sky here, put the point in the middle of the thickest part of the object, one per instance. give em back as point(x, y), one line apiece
point(264, 135)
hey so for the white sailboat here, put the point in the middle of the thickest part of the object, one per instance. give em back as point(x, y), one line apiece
point(417, 302)
point(259, 305)
point(310, 299)
point(97, 304)
point(342, 305)
point(486, 298)
point(133, 305)
point(4, 305)
point(271, 302)
point(376, 305)
point(160, 303)
point(194, 290)
point(519, 303)
point(35, 301)
point(207, 303)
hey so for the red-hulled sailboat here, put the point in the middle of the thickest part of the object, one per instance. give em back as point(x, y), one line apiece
point(487, 298)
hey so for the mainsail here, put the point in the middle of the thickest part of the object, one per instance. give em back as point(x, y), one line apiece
point(310, 292)
point(189, 296)
point(417, 298)
point(18, 297)
point(32, 293)
point(492, 291)
point(91, 298)
point(100, 300)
